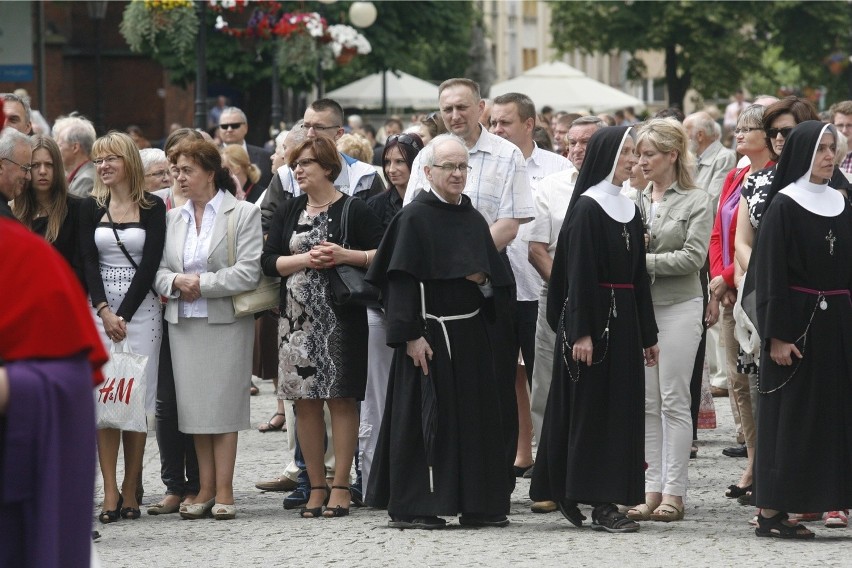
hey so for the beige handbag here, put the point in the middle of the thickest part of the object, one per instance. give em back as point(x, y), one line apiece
point(265, 296)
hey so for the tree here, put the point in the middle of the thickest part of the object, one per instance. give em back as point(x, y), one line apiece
point(709, 46)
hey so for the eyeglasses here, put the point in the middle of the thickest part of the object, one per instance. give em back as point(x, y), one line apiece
point(306, 126)
point(449, 167)
point(304, 163)
point(406, 139)
point(158, 174)
point(231, 125)
point(746, 130)
point(784, 132)
point(110, 160)
point(431, 117)
point(25, 167)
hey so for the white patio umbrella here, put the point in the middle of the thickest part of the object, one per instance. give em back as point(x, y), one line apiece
point(403, 91)
point(565, 88)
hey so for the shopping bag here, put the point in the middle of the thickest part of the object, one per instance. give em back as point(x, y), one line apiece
point(120, 399)
point(706, 410)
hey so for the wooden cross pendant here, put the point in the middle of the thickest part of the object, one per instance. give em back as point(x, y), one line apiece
point(830, 238)
point(626, 236)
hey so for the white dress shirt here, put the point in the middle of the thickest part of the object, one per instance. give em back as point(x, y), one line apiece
point(551, 207)
point(540, 164)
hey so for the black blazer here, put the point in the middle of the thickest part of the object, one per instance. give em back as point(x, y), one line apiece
point(153, 220)
point(263, 160)
point(68, 240)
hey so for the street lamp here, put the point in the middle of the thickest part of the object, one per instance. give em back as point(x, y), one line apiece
point(97, 13)
point(362, 14)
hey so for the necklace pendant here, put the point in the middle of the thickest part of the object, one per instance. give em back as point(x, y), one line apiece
point(626, 236)
point(823, 305)
point(830, 238)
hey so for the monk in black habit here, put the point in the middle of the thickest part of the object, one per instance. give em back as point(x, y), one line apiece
point(802, 270)
point(438, 250)
point(599, 302)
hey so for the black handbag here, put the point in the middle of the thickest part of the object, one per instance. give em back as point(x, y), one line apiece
point(348, 287)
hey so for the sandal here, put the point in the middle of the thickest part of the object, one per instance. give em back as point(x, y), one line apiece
point(107, 517)
point(570, 511)
point(667, 512)
point(641, 512)
point(338, 511)
point(779, 527)
point(314, 512)
point(607, 518)
point(268, 426)
point(735, 491)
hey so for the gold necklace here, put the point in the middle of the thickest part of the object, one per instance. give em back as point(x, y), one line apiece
point(323, 205)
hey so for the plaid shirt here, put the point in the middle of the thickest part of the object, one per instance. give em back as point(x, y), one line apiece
point(846, 164)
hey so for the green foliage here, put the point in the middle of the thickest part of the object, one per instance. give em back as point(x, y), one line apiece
point(713, 47)
point(149, 26)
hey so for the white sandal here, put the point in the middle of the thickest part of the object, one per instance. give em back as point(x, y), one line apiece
point(224, 512)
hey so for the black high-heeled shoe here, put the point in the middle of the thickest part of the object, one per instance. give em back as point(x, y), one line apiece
point(130, 513)
point(338, 511)
point(107, 517)
point(315, 512)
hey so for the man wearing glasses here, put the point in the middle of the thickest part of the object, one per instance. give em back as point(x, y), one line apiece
point(323, 118)
point(15, 156)
point(500, 190)
point(18, 113)
point(233, 127)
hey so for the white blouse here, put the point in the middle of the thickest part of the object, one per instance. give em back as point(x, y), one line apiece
point(196, 248)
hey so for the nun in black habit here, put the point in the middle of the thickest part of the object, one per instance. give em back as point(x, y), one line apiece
point(440, 275)
point(802, 269)
point(592, 444)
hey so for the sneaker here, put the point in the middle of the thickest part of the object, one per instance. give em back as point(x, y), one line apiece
point(836, 519)
point(298, 498)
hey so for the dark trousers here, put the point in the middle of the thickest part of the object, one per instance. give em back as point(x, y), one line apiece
point(178, 462)
point(527, 314)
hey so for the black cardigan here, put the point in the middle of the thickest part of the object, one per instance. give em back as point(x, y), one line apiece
point(153, 220)
point(365, 230)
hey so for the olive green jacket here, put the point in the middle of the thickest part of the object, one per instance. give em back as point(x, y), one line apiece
point(679, 237)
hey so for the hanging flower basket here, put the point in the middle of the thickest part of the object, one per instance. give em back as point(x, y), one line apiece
point(174, 21)
point(305, 39)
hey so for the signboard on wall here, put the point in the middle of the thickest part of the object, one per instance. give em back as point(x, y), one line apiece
point(16, 42)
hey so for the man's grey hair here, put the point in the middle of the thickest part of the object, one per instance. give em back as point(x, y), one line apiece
point(76, 129)
point(28, 112)
point(280, 137)
point(589, 120)
point(437, 141)
point(705, 123)
point(234, 110)
point(10, 139)
point(151, 156)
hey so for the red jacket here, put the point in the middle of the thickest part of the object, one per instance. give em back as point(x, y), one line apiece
point(733, 182)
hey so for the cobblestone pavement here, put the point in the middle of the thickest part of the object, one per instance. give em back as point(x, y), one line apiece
point(715, 531)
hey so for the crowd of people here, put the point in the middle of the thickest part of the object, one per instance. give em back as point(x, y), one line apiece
point(488, 280)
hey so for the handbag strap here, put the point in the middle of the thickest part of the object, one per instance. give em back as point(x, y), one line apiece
point(231, 236)
point(123, 249)
point(344, 223)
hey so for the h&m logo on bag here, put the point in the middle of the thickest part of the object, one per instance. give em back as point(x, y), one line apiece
point(109, 393)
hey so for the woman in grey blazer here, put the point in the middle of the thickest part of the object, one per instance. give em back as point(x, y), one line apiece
point(678, 217)
point(211, 348)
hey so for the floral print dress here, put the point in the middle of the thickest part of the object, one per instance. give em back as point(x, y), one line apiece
point(316, 355)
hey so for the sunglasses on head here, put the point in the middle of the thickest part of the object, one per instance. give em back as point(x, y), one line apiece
point(784, 132)
point(231, 125)
point(405, 139)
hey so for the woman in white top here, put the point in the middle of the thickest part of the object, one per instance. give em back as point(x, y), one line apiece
point(211, 348)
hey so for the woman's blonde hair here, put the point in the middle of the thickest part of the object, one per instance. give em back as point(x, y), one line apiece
point(668, 135)
point(356, 146)
point(25, 206)
point(121, 145)
point(239, 158)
